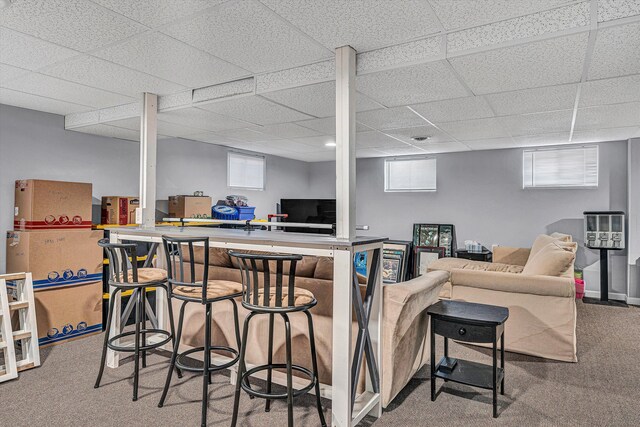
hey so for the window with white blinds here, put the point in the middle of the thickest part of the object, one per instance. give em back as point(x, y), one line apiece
point(411, 174)
point(245, 171)
point(560, 168)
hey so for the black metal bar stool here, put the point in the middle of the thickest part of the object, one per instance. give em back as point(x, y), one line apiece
point(275, 298)
point(124, 275)
point(184, 286)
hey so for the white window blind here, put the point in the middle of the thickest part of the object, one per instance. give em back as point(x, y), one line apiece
point(410, 174)
point(245, 171)
point(560, 167)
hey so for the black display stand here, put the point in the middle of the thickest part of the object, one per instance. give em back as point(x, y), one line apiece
point(604, 275)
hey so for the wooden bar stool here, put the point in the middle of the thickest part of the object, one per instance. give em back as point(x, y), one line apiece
point(184, 286)
point(124, 275)
point(275, 298)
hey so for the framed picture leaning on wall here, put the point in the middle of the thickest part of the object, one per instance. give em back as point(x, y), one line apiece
point(425, 256)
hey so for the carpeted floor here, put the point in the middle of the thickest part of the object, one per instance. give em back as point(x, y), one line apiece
point(602, 389)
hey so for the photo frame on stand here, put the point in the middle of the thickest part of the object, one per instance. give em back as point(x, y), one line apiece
point(424, 256)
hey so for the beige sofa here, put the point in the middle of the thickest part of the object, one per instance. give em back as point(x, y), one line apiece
point(536, 285)
point(405, 322)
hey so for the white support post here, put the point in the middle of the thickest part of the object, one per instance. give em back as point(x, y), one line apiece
point(345, 142)
point(148, 154)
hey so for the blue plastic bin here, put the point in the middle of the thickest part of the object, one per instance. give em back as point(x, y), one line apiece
point(246, 212)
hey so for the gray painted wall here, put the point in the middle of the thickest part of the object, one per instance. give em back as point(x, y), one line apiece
point(35, 145)
point(481, 193)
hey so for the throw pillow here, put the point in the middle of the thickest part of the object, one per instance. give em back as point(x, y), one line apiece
point(543, 240)
point(551, 260)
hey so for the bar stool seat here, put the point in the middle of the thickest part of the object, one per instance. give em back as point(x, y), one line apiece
point(215, 289)
point(148, 275)
point(302, 298)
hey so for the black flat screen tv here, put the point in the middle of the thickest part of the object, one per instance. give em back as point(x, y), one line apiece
point(317, 211)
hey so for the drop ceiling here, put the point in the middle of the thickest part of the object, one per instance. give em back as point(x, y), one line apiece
point(259, 75)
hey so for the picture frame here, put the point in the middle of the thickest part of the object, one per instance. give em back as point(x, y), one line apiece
point(425, 235)
point(392, 251)
point(425, 256)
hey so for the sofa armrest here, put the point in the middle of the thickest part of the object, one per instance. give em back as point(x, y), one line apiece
point(513, 282)
point(509, 255)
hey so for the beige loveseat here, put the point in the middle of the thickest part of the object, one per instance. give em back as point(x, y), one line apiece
point(405, 322)
point(537, 286)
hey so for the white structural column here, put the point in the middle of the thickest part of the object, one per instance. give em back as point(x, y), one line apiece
point(345, 142)
point(148, 154)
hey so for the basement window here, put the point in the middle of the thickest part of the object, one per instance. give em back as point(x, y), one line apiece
point(246, 171)
point(560, 168)
point(410, 174)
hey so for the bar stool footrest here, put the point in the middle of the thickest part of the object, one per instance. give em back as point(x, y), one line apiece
point(297, 392)
point(143, 333)
point(182, 365)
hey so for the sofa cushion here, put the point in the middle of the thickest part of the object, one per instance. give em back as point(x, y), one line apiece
point(217, 256)
point(448, 264)
point(562, 237)
point(543, 240)
point(324, 268)
point(554, 259)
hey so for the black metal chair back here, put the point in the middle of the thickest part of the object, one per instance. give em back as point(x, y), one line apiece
point(181, 272)
point(251, 279)
point(122, 261)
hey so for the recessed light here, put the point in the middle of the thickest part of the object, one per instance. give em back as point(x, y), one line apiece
point(330, 144)
point(421, 138)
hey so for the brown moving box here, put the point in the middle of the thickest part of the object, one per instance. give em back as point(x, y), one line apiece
point(190, 206)
point(119, 210)
point(41, 204)
point(65, 314)
point(55, 258)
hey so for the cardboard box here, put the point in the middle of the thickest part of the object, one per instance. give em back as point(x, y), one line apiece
point(119, 210)
point(65, 314)
point(43, 204)
point(56, 258)
point(190, 206)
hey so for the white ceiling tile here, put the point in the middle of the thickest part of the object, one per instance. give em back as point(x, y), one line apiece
point(318, 72)
point(172, 60)
point(28, 52)
point(102, 74)
point(200, 119)
point(559, 138)
point(255, 109)
point(608, 116)
point(175, 100)
point(288, 130)
point(609, 10)
point(416, 51)
point(9, 72)
point(610, 91)
point(533, 100)
point(537, 123)
point(435, 135)
point(209, 137)
point(224, 90)
point(374, 139)
point(617, 52)
point(474, 129)
point(548, 21)
point(131, 123)
point(360, 24)
point(406, 151)
point(432, 81)
point(247, 135)
point(444, 147)
point(124, 111)
point(74, 120)
point(470, 13)
point(315, 141)
point(450, 110)
point(284, 146)
point(390, 118)
point(110, 131)
point(39, 103)
point(317, 100)
point(541, 63)
point(249, 35)
point(153, 13)
point(365, 153)
point(600, 135)
point(327, 125)
point(77, 24)
point(491, 143)
point(51, 87)
point(164, 128)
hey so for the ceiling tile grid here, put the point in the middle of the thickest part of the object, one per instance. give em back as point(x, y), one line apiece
point(255, 109)
point(248, 34)
point(24, 51)
point(469, 130)
point(76, 24)
point(201, 119)
point(39, 103)
point(558, 138)
point(363, 25)
point(247, 135)
point(406, 53)
point(9, 72)
point(374, 139)
point(616, 52)
point(538, 123)
point(491, 143)
point(162, 56)
point(610, 91)
point(608, 116)
point(390, 118)
point(153, 13)
point(411, 85)
point(449, 110)
point(609, 10)
point(534, 100)
point(610, 134)
point(435, 135)
point(288, 130)
point(549, 21)
point(327, 125)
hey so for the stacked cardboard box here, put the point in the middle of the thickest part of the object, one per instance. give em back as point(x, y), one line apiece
point(51, 240)
point(119, 210)
point(190, 206)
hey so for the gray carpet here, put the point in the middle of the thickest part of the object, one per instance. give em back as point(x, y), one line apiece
point(602, 389)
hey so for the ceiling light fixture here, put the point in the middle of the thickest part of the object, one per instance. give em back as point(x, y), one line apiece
point(330, 144)
point(420, 138)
